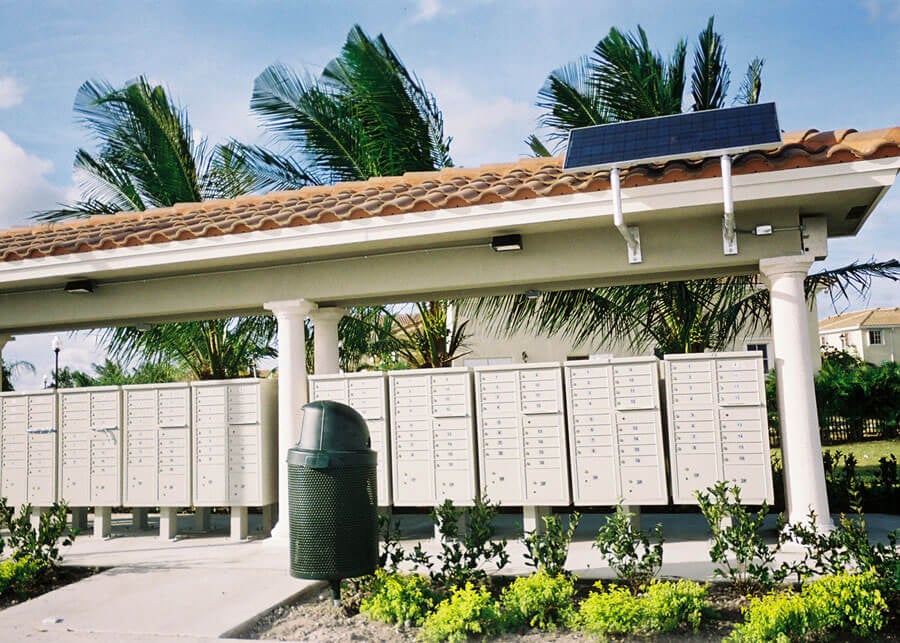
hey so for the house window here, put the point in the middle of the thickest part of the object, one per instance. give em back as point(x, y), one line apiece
point(875, 338)
point(764, 349)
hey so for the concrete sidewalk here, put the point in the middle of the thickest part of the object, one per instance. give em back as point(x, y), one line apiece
point(201, 587)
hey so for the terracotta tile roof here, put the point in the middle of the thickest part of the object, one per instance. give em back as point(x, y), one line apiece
point(416, 192)
point(871, 318)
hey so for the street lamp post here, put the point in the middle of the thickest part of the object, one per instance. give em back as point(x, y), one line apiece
point(56, 347)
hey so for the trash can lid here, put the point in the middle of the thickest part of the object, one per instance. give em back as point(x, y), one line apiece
point(332, 426)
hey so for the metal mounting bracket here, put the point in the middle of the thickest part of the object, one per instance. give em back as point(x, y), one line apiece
point(634, 244)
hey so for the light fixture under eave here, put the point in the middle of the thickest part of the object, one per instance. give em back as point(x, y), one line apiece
point(80, 286)
point(507, 243)
point(532, 294)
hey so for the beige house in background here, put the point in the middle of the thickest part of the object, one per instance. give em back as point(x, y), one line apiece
point(873, 334)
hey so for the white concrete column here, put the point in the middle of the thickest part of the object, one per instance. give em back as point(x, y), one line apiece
point(292, 392)
point(240, 524)
point(168, 523)
point(102, 522)
point(327, 356)
point(4, 340)
point(804, 473)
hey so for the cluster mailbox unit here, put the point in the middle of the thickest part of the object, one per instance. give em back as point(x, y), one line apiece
point(28, 448)
point(367, 393)
point(90, 471)
point(522, 452)
point(615, 428)
point(235, 447)
point(717, 424)
point(432, 433)
point(158, 449)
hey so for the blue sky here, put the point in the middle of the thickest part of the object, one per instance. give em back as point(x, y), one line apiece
point(829, 64)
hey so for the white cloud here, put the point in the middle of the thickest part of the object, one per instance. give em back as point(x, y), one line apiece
point(78, 351)
point(12, 92)
point(882, 9)
point(485, 129)
point(427, 9)
point(24, 187)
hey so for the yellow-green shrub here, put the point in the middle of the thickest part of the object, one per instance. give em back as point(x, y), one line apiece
point(399, 598)
point(611, 611)
point(540, 600)
point(469, 610)
point(672, 606)
point(19, 577)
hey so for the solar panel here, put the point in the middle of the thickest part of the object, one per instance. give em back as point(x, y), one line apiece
point(712, 132)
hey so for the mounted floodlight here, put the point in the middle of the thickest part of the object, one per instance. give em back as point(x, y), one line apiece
point(709, 133)
point(80, 286)
point(507, 243)
point(532, 294)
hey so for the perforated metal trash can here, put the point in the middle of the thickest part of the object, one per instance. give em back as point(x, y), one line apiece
point(332, 496)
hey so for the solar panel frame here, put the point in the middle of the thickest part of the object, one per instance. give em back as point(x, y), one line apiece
point(708, 133)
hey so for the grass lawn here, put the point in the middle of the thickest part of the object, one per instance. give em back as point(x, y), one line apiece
point(866, 453)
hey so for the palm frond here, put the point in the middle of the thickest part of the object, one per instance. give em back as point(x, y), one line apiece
point(267, 170)
point(711, 76)
point(537, 146)
point(569, 99)
point(853, 279)
point(751, 85)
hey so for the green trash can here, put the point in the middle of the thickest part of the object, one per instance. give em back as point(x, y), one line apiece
point(332, 496)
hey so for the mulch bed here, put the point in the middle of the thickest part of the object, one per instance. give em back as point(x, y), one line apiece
point(60, 577)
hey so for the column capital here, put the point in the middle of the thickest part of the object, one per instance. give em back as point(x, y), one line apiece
point(777, 266)
point(5, 339)
point(291, 307)
point(330, 313)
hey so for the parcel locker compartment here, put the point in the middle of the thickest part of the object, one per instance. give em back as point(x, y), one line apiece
point(596, 481)
point(174, 490)
point(455, 485)
point(141, 488)
point(105, 489)
point(243, 488)
point(211, 485)
point(546, 486)
point(75, 486)
point(694, 472)
point(642, 485)
point(414, 483)
point(501, 480)
point(752, 481)
point(15, 485)
point(42, 488)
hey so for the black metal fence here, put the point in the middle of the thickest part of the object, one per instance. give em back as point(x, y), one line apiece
point(838, 430)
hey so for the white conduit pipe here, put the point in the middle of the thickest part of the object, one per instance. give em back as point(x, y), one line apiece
point(618, 219)
point(728, 197)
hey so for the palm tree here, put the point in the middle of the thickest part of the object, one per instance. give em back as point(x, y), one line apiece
point(366, 115)
point(625, 79)
point(150, 157)
point(10, 369)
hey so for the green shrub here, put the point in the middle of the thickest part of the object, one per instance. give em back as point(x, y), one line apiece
point(21, 577)
point(549, 550)
point(41, 544)
point(541, 600)
point(463, 556)
point(611, 611)
point(470, 610)
point(737, 546)
point(780, 617)
point(846, 603)
point(673, 606)
point(843, 603)
point(390, 552)
point(399, 598)
point(628, 550)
